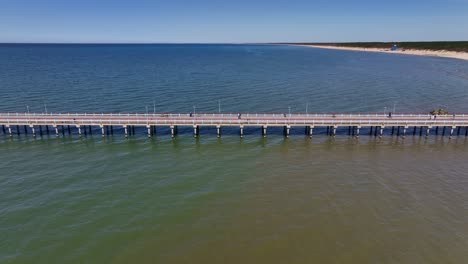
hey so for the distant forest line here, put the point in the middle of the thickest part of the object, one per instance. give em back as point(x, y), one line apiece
point(461, 46)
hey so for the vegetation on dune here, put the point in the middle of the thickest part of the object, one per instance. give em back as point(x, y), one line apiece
point(461, 46)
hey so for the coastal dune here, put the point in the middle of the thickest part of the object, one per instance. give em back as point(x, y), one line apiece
point(434, 53)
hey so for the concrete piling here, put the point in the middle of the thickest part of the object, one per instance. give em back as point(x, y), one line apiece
point(218, 131)
point(264, 130)
point(149, 130)
point(311, 131)
point(241, 131)
point(451, 131)
point(286, 130)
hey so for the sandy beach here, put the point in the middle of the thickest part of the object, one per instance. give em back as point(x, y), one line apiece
point(434, 53)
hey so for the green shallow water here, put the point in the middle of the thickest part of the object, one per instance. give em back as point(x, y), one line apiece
point(228, 200)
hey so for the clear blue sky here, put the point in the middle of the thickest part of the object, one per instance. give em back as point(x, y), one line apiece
point(232, 21)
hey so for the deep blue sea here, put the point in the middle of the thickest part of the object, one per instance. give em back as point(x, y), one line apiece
point(229, 200)
point(243, 77)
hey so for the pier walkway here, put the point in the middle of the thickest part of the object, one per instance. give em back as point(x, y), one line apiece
point(399, 124)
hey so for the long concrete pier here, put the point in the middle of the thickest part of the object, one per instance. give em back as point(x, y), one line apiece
point(352, 124)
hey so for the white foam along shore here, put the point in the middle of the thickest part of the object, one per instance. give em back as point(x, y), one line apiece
point(434, 53)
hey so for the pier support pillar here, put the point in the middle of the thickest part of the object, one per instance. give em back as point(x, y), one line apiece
point(414, 131)
point(33, 130)
point(370, 133)
point(264, 131)
point(404, 131)
point(311, 131)
point(451, 131)
point(458, 131)
point(149, 130)
point(334, 130)
point(443, 131)
point(40, 130)
point(17, 130)
point(218, 130)
point(56, 130)
point(3, 128)
point(126, 131)
point(79, 130)
point(393, 130)
point(102, 131)
point(381, 130)
point(9, 130)
point(172, 131)
point(241, 131)
point(428, 131)
point(196, 130)
point(357, 130)
point(286, 130)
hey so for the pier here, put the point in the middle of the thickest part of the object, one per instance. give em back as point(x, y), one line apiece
point(355, 124)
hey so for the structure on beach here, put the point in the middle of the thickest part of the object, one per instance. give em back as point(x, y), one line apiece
point(355, 124)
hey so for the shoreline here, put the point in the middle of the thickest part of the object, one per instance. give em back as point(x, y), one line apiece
point(432, 53)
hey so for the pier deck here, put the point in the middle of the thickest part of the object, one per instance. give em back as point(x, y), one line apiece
point(353, 121)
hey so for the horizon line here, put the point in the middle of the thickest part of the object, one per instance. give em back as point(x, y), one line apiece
point(215, 43)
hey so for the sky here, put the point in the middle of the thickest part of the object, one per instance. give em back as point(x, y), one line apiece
point(236, 21)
